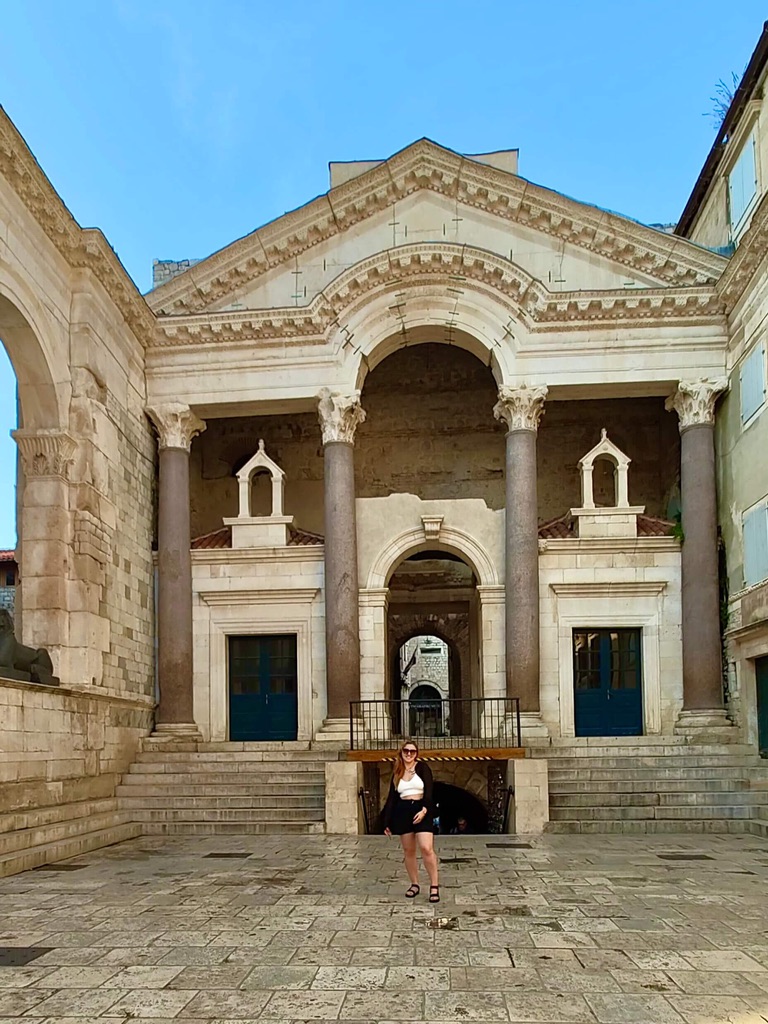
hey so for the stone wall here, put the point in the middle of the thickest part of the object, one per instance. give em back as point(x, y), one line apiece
point(58, 746)
point(430, 431)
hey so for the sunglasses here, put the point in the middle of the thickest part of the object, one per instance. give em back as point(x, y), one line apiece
point(409, 750)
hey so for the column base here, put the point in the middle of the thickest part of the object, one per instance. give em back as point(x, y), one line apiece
point(176, 732)
point(333, 734)
point(533, 730)
point(706, 725)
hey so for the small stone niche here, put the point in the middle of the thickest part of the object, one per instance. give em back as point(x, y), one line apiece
point(618, 519)
point(249, 531)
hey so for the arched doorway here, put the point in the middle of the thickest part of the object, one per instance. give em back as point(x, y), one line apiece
point(8, 422)
point(433, 629)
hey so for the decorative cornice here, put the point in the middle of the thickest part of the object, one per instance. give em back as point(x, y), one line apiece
point(625, 588)
point(749, 255)
point(524, 297)
point(339, 415)
point(282, 595)
point(694, 401)
point(82, 248)
point(521, 408)
point(45, 452)
point(176, 425)
point(427, 166)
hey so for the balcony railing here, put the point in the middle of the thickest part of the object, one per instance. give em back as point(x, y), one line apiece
point(486, 723)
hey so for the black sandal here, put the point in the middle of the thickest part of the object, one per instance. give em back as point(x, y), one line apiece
point(434, 894)
point(413, 892)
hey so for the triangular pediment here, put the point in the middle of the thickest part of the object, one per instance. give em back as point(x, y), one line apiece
point(450, 198)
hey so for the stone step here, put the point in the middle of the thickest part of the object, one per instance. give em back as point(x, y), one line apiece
point(647, 812)
point(223, 772)
point(15, 821)
point(702, 798)
point(642, 774)
point(12, 863)
point(716, 825)
point(244, 814)
point(633, 749)
point(299, 758)
point(269, 772)
point(645, 761)
point(183, 800)
point(23, 839)
point(231, 828)
point(135, 785)
point(759, 826)
point(652, 785)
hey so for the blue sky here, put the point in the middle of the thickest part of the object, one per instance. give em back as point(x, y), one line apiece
point(179, 127)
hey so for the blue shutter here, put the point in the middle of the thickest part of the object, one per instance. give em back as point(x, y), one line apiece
point(742, 182)
point(756, 546)
point(752, 382)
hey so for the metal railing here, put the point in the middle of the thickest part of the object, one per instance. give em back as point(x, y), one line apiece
point(490, 722)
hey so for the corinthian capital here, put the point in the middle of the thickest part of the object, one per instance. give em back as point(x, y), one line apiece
point(175, 423)
point(45, 452)
point(521, 407)
point(339, 415)
point(694, 401)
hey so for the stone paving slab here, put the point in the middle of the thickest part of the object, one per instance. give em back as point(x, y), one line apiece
point(573, 930)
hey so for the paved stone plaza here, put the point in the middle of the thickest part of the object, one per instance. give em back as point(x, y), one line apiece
point(625, 930)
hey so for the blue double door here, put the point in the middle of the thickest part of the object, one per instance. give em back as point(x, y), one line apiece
point(607, 680)
point(263, 688)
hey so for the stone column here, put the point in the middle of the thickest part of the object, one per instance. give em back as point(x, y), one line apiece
point(694, 402)
point(521, 409)
point(45, 528)
point(340, 416)
point(176, 426)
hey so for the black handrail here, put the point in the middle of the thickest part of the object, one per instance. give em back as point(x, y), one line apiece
point(361, 794)
point(439, 724)
point(510, 794)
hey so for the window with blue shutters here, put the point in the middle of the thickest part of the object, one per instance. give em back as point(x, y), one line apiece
point(742, 185)
point(752, 382)
point(755, 525)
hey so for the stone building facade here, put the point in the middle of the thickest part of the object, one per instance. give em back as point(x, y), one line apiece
point(439, 400)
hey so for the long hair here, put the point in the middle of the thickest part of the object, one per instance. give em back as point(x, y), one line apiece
point(400, 762)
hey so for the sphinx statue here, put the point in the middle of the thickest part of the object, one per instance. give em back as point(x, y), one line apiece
point(27, 664)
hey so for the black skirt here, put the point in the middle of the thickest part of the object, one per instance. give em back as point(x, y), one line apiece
point(403, 814)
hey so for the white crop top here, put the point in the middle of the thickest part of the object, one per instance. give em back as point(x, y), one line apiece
point(413, 789)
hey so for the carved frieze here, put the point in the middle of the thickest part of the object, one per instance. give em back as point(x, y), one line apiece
point(521, 408)
point(176, 424)
point(694, 401)
point(45, 452)
point(339, 415)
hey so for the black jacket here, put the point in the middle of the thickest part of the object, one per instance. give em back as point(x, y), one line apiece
point(425, 774)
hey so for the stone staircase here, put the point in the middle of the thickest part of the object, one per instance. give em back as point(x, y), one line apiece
point(226, 789)
point(646, 784)
point(31, 838)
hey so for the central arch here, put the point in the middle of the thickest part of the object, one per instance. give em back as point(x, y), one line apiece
point(452, 540)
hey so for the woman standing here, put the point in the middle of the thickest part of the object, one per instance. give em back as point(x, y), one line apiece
point(408, 814)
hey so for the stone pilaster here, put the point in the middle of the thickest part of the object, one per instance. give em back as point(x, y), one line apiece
point(521, 409)
point(340, 416)
point(46, 530)
point(176, 425)
point(694, 403)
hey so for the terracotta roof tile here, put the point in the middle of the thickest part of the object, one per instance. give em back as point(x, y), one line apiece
point(223, 539)
point(7, 556)
point(563, 526)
